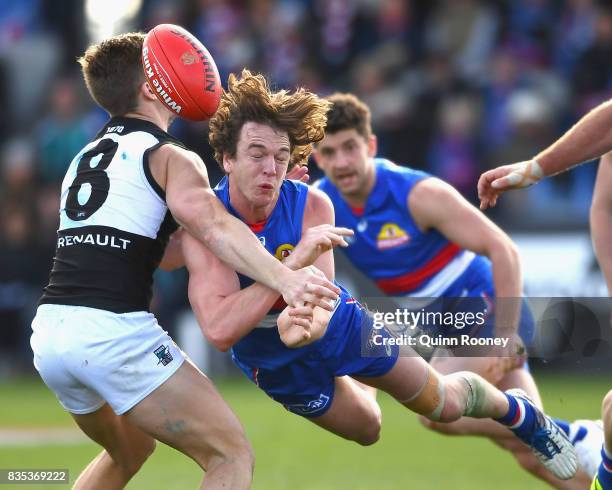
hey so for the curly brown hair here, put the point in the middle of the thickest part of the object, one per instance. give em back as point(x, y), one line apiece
point(301, 114)
point(113, 72)
point(348, 112)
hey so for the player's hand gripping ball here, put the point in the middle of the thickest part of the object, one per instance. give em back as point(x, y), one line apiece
point(181, 72)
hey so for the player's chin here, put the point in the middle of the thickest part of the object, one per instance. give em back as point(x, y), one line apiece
point(261, 199)
point(347, 186)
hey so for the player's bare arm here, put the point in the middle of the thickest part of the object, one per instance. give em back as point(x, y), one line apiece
point(224, 311)
point(183, 176)
point(173, 255)
point(601, 218)
point(435, 204)
point(589, 138)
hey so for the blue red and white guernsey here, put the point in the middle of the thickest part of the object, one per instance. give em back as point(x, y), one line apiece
point(302, 379)
point(389, 248)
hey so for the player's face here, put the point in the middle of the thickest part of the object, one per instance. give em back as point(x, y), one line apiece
point(260, 164)
point(346, 159)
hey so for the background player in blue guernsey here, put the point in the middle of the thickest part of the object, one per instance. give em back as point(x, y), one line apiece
point(95, 344)
point(416, 237)
point(302, 357)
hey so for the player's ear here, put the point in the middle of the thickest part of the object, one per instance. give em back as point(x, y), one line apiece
point(227, 163)
point(372, 146)
point(146, 91)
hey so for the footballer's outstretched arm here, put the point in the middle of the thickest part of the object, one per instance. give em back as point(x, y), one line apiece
point(601, 218)
point(182, 175)
point(588, 139)
point(435, 204)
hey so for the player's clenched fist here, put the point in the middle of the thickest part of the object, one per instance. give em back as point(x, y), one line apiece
point(493, 182)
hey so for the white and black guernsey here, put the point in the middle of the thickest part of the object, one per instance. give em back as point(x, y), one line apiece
point(114, 222)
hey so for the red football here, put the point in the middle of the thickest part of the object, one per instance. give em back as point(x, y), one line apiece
point(181, 72)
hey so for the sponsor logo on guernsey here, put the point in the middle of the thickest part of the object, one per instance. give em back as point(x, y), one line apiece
point(391, 236)
point(164, 355)
point(100, 239)
point(283, 251)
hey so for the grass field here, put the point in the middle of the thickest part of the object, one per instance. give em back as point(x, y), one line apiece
point(292, 453)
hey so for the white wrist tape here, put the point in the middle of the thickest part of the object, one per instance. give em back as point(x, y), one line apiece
point(525, 174)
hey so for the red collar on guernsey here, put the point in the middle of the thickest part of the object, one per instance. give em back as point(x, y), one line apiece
point(357, 211)
point(257, 227)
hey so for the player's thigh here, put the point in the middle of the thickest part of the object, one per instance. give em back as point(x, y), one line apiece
point(354, 413)
point(188, 413)
point(126, 443)
point(404, 380)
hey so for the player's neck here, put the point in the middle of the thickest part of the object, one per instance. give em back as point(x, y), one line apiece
point(160, 120)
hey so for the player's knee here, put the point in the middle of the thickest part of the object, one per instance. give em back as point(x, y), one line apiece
point(235, 457)
point(133, 459)
point(452, 409)
point(148, 448)
point(370, 430)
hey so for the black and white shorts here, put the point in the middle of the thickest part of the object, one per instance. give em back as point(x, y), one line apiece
point(88, 357)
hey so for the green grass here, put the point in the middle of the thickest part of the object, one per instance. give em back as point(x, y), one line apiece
point(293, 453)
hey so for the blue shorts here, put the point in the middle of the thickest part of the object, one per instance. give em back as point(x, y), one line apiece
point(306, 385)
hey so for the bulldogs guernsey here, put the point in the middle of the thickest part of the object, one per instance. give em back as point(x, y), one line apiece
point(389, 248)
point(114, 222)
point(279, 234)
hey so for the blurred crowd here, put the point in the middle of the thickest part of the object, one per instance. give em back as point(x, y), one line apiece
point(455, 87)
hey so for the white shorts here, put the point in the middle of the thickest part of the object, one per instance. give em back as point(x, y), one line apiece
point(89, 357)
